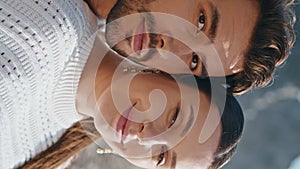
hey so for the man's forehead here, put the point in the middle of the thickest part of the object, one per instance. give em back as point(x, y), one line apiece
point(236, 23)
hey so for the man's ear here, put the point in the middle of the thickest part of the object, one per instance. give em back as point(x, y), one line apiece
point(101, 8)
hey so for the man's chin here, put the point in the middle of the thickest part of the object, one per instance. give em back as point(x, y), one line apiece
point(120, 52)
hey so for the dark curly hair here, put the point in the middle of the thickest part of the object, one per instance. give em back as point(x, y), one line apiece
point(272, 40)
point(232, 128)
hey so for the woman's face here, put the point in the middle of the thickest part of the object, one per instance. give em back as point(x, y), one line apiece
point(155, 123)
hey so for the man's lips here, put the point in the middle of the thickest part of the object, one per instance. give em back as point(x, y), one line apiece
point(138, 43)
point(140, 38)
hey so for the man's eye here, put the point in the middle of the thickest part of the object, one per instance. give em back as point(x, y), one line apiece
point(175, 115)
point(195, 61)
point(201, 21)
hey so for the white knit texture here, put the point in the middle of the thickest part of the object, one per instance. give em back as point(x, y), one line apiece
point(44, 46)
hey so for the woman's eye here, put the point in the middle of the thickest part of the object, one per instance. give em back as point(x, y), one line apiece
point(161, 159)
point(201, 21)
point(175, 115)
point(195, 61)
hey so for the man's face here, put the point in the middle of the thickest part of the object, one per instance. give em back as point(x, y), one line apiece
point(156, 42)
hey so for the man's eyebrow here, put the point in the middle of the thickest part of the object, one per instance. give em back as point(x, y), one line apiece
point(189, 123)
point(174, 158)
point(215, 21)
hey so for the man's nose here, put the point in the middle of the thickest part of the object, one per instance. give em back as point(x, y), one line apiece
point(170, 55)
point(173, 45)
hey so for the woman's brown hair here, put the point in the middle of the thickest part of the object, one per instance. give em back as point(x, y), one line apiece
point(76, 138)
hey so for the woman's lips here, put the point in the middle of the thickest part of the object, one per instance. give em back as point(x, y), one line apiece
point(123, 121)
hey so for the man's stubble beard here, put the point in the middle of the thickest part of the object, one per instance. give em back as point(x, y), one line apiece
point(115, 29)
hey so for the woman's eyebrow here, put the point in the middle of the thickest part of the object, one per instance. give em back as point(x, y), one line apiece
point(189, 123)
point(174, 158)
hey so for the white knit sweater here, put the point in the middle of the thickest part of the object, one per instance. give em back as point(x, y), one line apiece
point(44, 45)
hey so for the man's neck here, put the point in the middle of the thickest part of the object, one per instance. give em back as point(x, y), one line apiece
point(101, 8)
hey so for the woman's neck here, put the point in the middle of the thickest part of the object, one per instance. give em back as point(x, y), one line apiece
point(97, 73)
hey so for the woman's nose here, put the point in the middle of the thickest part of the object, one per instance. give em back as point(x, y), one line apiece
point(134, 128)
point(140, 126)
point(152, 129)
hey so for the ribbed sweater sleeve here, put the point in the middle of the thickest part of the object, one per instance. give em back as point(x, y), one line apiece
point(44, 46)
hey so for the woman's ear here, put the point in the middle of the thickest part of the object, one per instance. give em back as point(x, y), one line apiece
point(101, 8)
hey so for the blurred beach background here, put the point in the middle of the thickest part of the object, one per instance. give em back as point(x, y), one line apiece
point(271, 138)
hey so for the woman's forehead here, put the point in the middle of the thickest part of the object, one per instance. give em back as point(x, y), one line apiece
point(190, 152)
point(195, 155)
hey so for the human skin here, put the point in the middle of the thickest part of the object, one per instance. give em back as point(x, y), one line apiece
point(140, 136)
point(233, 31)
point(231, 40)
point(101, 7)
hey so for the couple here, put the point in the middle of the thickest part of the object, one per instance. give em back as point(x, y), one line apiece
point(54, 65)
